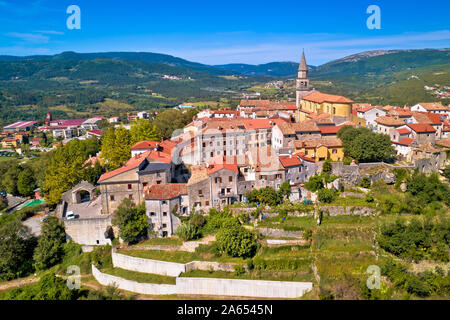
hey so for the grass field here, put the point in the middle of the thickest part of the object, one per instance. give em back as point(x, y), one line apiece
point(139, 276)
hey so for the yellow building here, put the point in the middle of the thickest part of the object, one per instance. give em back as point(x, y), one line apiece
point(317, 102)
point(9, 143)
point(321, 149)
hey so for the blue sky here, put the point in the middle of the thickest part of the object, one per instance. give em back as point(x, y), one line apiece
point(218, 32)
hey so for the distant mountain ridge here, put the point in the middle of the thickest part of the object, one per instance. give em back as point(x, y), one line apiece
point(368, 62)
point(125, 56)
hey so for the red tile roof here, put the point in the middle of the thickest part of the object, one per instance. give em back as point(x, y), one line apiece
point(165, 146)
point(165, 191)
point(434, 106)
point(133, 163)
point(403, 131)
point(365, 109)
point(405, 142)
point(96, 132)
point(290, 161)
point(219, 163)
point(330, 129)
point(389, 121)
point(256, 124)
point(421, 127)
point(320, 97)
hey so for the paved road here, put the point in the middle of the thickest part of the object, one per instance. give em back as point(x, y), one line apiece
point(34, 223)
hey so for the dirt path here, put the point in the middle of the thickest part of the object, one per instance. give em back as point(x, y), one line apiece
point(18, 283)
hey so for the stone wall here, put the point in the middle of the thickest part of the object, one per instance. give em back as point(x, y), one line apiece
point(209, 266)
point(210, 286)
point(340, 210)
point(133, 286)
point(279, 233)
point(88, 231)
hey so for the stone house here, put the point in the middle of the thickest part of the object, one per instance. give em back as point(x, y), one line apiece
point(161, 202)
point(422, 133)
point(129, 181)
point(433, 107)
point(385, 124)
point(427, 158)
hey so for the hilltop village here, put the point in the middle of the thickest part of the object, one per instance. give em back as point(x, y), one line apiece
point(222, 155)
point(240, 184)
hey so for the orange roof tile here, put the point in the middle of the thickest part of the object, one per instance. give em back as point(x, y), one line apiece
point(320, 97)
point(405, 142)
point(290, 161)
point(389, 121)
point(165, 191)
point(133, 163)
point(421, 128)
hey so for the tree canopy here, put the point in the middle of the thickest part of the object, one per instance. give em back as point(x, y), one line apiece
point(65, 168)
point(131, 220)
point(116, 146)
point(49, 250)
point(364, 145)
point(143, 129)
point(16, 250)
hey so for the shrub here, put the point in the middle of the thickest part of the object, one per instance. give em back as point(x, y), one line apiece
point(239, 269)
point(369, 198)
point(197, 220)
point(365, 183)
point(327, 166)
point(186, 231)
point(236, 241)
point(314, 183)
point(307, 234)
point(326, 195)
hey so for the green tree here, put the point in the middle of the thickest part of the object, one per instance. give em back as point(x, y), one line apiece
point(16, 250)
point(65, 168)
point(236, 241)
point(9, 180)
point(326, 195)
point(142, 130)
point(446, 172)
point(364, 145)
point(170, 120)
point(25, 182)
point(314, 183)
point(285, 189)
point(327, 166)
point(116, 146)
point(50, 250)
point(131, 220)
point(93, 173)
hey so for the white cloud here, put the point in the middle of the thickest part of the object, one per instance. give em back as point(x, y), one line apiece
point(59, 33)
point(29, 37)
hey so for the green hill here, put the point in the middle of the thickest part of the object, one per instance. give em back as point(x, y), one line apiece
point(273, 69)
point(125, 56)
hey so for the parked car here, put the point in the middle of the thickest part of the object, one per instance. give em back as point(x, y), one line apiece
point(70, 215)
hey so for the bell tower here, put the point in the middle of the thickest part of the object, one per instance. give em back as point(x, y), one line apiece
point(302, 86)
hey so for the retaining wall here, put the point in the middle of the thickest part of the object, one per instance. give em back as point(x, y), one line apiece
point(133, 286)
point(147, 265)
point(243, 288)
point(209, 286)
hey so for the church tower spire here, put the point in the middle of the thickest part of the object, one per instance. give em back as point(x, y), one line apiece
point(302, 86)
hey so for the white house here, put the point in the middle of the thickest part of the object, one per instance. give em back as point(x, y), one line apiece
point(403, 147)
point(433, 107)
point(370, 114)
